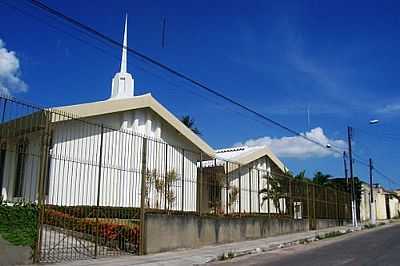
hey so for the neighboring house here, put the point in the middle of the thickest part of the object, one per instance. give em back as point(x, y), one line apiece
point(74, 156)
point(243, 169)
point(386, 203)
point(365, 202)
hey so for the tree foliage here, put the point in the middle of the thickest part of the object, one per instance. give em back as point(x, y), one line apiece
point(321, 179)
point(275, 192)
point(190, 123)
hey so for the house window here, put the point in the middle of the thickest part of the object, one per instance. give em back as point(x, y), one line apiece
point(2, 161)
point(19, 173)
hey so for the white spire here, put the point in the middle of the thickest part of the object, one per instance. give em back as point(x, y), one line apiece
point(123, 83)
point(124, 50)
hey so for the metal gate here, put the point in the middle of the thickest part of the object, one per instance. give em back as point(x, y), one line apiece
point(89, 197)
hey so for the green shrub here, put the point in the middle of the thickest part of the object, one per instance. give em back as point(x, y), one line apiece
point(18, 223)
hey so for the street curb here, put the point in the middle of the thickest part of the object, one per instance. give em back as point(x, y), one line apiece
point(227, 255)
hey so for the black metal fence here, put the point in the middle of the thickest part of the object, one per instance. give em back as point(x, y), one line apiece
point(93, 183)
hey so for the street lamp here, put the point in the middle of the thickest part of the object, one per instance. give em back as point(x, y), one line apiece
point(372, 208)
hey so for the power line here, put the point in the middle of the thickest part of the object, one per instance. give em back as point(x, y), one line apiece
point(104, 51)
point(385, 176)
point(361, 161)
point(199, 84)
point(100, 36)
point(375, 169)
point(113, 56)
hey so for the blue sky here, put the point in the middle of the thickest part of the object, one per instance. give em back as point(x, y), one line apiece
point(338, 58)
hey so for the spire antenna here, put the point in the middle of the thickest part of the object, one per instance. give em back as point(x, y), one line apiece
point(123, 84)
point(125, 46)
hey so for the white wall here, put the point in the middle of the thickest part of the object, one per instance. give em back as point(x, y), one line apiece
point(75, 162)
point(380, 202)
point(249, 175)
point(365, 202)
point(394, 207)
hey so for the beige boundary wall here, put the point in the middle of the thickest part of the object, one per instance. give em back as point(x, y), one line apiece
point(169, 232)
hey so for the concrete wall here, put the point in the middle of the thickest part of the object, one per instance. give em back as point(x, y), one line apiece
point(380, 201)
point(326, 223)
point(168, 232)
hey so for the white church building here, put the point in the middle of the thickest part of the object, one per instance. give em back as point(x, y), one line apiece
point(245, 169)
point(85, 159)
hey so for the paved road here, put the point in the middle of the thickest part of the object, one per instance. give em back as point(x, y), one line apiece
point(376, 247)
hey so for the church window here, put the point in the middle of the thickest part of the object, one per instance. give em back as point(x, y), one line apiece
point(19, 173)
point(2, 161)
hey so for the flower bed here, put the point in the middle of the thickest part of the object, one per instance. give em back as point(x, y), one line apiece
point(115, 233)
point(83, 211)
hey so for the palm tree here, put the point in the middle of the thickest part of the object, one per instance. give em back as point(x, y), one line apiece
point(321, 179)
point(189, 122)
point(301, 176)
point(275, 192)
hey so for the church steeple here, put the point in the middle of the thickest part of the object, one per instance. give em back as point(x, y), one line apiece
point(123, 59)
point(123, 83)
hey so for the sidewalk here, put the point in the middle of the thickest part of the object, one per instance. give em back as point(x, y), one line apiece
point(209, 253)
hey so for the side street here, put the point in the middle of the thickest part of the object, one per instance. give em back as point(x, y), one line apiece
point(227, 252)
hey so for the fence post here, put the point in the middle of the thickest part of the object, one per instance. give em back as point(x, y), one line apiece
point(290, 199)
point(165, 177)
point(326, 203)
point(336, 205)
point(240, 190)
point(182, 178)
point(308, 205)
point(250, 189)
point(314, 207)
point(200, 182)
point(98, 190)
point(45, 138)
point(215, 184)
point(267, 166)
point(142, 197)
point(258, 191)
point(227, 187)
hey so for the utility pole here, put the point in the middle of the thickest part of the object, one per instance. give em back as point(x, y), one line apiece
point(353, 198)
point(372, 210)
point(345, 168)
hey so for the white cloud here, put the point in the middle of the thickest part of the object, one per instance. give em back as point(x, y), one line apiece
point(390, 109)
point(10, 72)
point(297, 146)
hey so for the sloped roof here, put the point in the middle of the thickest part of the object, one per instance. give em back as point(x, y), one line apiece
point(245, 155)
point(132, 103)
